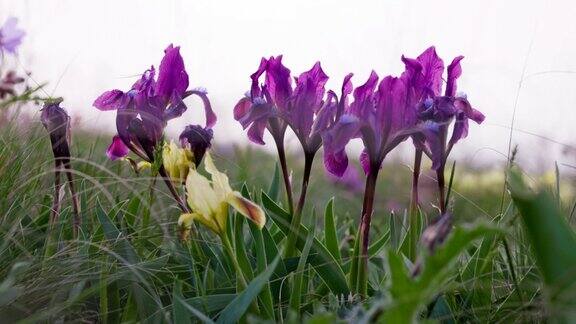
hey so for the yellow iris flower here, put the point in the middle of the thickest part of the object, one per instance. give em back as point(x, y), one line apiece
point(177, 161)
point(209, 201)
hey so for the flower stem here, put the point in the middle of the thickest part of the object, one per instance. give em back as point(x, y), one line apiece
point(170, 185)
point(414, 205)
point(441, 189)
point(364, 232)
point(75, 204)
point(239, 273)
point(297, 217)
point(285, 175)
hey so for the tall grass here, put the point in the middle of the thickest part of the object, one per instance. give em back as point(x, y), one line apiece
point(127, 264)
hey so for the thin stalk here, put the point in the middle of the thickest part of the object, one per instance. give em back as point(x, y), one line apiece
point(239, 274)
point(170, 185)
point(364, 237)
point(297, 217)
point(285, 175)
point(441, 189)
point(414, 204)
point(75, 204)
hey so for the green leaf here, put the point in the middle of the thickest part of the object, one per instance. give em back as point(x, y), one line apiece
point(261, 262)
point(234, 311)
point(296, 295)
point(330, 236)
point(320, 258)
point(180, 313)
point(552, 240)
point(274, 189)
point(409, 295)
point(211, 303)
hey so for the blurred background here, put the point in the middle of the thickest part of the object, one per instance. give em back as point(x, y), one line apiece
point(520, 55)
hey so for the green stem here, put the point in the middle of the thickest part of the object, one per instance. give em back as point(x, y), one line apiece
point(361, 282)
point(297, 217)
point(285, 174)
point(414, 204)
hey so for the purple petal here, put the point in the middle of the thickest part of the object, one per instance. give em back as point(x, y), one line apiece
point(278, 82)
point(432, 69)
point(336, 162)
point(346, 90)
point(209, 113)
point(308, 97)
point(432, 132)
point(454, 72)
point(242, 108)
point(117, 149)
point(111, 100)
point(256, 132)
point(10, 35)
point(392, 114)
point(255, 91)
point(460, 128)
point(146, 84)
point(172, 77)
point(345, 129)
point(363, 97)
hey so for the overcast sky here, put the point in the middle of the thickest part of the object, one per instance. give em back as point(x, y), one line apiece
point(85, 47)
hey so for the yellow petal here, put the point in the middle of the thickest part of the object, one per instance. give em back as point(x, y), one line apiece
point(200, 195)
point(219, 179)
point(247, 208)
point(185, 223)
point(176, 161)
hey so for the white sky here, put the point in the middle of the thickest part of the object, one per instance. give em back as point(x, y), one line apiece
point(98, 45)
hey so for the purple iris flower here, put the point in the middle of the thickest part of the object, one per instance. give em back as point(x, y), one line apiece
point(435, 111)
point(143, 111)
point(379, 115)
point(10, 35)
point(261, 108)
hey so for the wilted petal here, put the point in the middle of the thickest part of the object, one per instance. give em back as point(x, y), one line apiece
point(10, 35)
point(454, 72)
point(117, 149)
point(172, 78)
point(57, 123)
point(247, 208)
point(111, 100)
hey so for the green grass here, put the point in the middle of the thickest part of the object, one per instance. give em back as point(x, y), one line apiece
point(129, 266)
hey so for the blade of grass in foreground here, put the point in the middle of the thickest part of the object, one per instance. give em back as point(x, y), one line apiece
point(553, 243)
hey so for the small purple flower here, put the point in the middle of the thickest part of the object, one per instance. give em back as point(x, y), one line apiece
point(379, 115)
point(143, 112)
point(198, 140)
point(435, 111)
point(10, 35)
